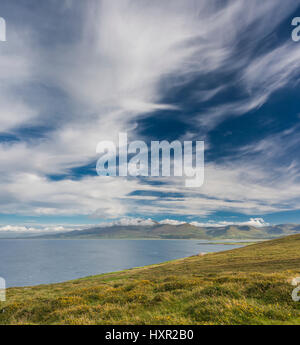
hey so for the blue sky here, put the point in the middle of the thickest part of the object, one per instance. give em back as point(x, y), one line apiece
point(73, 73)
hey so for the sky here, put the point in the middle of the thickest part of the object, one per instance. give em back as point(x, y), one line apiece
point(73, 73)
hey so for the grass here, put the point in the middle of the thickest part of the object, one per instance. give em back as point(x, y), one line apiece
point(249, 285)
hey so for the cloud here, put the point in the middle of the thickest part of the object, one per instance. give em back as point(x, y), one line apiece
point(17, 61)
point(16, 228)
point(120, 63)
point(171, 222)
point(101, 197)
point(130, 222)
point(39, 228)
point(256, 222)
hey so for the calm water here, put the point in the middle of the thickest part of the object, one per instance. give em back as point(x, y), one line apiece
point(32, 262)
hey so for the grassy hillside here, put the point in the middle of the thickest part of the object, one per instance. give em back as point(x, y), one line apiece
point(249, 285)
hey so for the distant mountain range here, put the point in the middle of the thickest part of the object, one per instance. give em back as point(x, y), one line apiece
point(183, 231)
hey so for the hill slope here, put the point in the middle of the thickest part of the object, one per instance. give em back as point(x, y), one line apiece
point(249, 285)
point(184, 231)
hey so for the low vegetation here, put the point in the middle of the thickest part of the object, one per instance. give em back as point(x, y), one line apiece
point(249, 285)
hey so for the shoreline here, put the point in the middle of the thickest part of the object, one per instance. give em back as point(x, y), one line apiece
point(201, 254)
point(216, 288)
point(211, 241)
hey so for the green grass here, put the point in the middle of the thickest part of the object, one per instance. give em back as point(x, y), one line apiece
point(249, 285)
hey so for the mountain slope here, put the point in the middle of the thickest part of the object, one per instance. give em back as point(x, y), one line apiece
point(184, 231)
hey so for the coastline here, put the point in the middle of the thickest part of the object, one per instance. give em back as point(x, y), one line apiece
point(248, 285)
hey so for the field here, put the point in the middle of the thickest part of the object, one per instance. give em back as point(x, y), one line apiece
point(249, 285)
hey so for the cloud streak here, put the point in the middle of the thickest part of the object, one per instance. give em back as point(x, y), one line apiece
point(118, 68)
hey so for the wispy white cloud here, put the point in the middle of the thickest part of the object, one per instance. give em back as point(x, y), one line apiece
point(17, 61)
point(171, 222)
point(256, 222)
point(40, 228)
point(129, 221)
point(112, 75)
